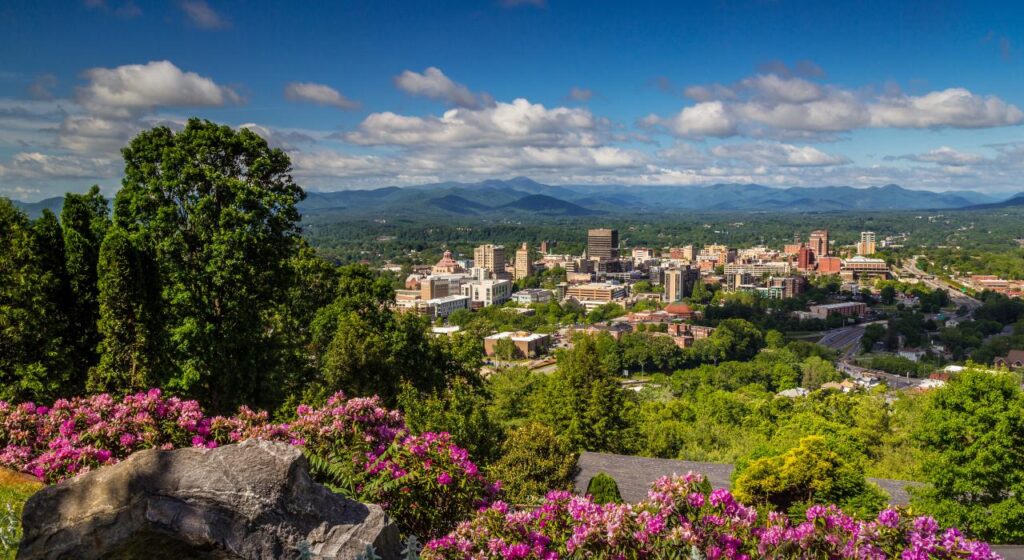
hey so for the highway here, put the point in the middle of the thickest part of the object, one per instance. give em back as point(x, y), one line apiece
point(846, 340)
point(958, 298)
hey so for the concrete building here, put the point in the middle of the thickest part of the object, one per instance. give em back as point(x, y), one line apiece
point(848, 309)
point(528, 345)
point(524, 267)
point(819, 242)
point(679, 282)
point(531, 295)
point(595, 294)
point(484, 293)
point(491, 258)
point(864, 267)
point(828, 265)
point(440, 285)
point(445, 306)
point(867, 243)
point(805, 258)
point(603, 244)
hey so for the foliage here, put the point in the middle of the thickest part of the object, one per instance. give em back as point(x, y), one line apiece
point(816, 372)
point(533, 460)
point(583, 401)
point(681, 518)
point(460, 409)
point(603, 489)
point(359, 448)
point(805, 475)
point(974, 431)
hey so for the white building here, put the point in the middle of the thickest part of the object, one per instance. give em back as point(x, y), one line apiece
point(531, 295)
point(483, 293)
point(445, 306)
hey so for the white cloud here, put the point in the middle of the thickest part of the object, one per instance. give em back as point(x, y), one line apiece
point(517, 123)
point(201, 15)
point(319, 94)
point(788, 106)
point(97, 135)
point(36, 165)
point(134, 89)
point(954, 107)
point(710, 118)
point(778, 154)
point(433, 84)
point(944, 155)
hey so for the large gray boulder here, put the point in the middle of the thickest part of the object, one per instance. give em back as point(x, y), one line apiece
point(250, 500)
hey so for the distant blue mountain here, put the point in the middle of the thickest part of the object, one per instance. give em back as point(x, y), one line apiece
point(523, 196)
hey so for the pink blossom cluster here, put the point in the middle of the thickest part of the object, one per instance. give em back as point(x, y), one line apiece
point(402, 471)
point(683, 518)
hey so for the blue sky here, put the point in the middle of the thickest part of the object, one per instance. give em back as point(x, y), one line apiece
point(928, 95)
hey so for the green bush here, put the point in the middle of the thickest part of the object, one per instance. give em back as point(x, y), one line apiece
point(604, 490)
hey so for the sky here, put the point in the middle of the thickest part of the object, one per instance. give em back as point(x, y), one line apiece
point(927, 95)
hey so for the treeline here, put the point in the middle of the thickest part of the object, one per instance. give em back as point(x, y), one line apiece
point(199, 282)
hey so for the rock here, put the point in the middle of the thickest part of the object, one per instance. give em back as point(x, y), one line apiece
point(250, 500)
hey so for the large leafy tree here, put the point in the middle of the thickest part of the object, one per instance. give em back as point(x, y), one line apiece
point(217, 209)
point(364, 347)
point(533, 461)
point(973, 430)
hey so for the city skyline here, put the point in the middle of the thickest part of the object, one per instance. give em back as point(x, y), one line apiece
point(365, 95)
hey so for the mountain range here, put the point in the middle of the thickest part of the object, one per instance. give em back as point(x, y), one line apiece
point(523, 197)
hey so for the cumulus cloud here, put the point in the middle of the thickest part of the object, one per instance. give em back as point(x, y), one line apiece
point(778, 154)
point(519, 122)
point(787, 105)
point(201, 15)
point(710, 118)
point(319, 94)
point(96, 135)
point(36, 165)
point(433, 84)
point(134, 89)
point(278, 138)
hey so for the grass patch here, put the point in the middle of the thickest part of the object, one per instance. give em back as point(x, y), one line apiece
point(15, 489)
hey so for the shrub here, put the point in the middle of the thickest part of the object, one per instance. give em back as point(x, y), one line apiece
point(533, 461)
point(354, 445)
point(681, 518)
point(603, 489)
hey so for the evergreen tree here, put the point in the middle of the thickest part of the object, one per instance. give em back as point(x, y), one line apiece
point(583, 401)
point(533, 461)
point(217, 208)
point(32, 358)
point(131, 344)
point(84, 219)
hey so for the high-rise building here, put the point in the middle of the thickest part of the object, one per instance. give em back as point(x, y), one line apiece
point(805, 258)
point(819, 242)
point(686, 253)
point(544, 248)
point(679, 282)
point(603, 244)
point(491, 258)
point(867, 243)
point(524, 267)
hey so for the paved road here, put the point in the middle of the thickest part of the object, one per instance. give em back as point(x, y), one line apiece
point(955, 295)
point(846, 339)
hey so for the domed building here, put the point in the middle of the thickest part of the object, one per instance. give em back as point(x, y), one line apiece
point(447, 265)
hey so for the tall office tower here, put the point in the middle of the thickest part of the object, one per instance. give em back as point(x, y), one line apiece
point(491, 258)
point(543, 247)
point(796, 238)
point(819, 242)
point(603, 244)
point(867, 243)
point(679, 282)
point(524, 267)
point(805, 258)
